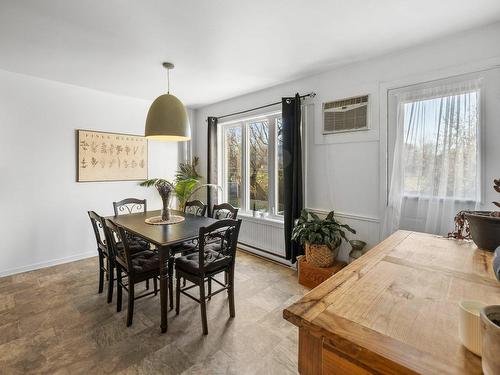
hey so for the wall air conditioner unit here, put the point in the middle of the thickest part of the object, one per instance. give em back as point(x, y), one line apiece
point(345, 115)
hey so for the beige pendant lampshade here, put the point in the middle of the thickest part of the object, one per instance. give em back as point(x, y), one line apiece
point(167, 118)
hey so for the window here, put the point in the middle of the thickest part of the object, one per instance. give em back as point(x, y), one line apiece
point(435, 168)
point(252, 164)
point(441, 146)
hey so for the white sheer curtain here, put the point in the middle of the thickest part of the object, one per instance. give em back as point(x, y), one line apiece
point(436, 162)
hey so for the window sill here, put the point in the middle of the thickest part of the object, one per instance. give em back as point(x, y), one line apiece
point(436, 198)
point(274, 221)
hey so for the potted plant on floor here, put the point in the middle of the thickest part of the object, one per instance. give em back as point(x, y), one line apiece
point(482, 226)
point(320, 237)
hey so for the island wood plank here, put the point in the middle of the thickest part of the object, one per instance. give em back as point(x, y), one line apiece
point(395, 309)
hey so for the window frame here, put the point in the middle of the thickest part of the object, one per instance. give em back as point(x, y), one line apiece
point(272, 154)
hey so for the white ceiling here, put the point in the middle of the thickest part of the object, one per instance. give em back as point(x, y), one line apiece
point(221, 48)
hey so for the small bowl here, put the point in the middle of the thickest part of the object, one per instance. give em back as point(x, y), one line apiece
point(469, 327)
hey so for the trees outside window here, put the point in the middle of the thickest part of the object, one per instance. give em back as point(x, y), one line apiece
point(252, 164)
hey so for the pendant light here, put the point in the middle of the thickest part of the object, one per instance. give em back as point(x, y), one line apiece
point(167, 117)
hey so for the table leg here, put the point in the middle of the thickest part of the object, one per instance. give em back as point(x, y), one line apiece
point(164, 257)
point(171, 277)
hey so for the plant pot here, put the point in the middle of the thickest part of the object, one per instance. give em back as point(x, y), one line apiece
point(320, 255)
point(357, 249)
point(484, 229)
point(490, 332)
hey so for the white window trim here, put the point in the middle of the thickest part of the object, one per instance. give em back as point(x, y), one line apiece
point(245, 208)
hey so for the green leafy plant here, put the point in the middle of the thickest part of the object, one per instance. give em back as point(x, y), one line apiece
point(310, 228)
point(187, 179)
point(186, 183)
point(154, 182)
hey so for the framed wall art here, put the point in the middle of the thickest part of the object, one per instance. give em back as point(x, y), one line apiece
point(111, 156)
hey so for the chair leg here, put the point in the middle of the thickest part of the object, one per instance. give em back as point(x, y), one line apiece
point(118, 288)
point(178, 294)
point(232, 313)
point(184, 282)
point(203, 303)
point(155, 285)
point(147, 284)
point(101, 273)
point(209, 288)
point(130, 310)
point(171, 278)
point(111, 273)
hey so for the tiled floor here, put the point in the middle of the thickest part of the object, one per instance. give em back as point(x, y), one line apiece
point(52, 321)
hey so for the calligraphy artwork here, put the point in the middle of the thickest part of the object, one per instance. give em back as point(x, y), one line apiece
point(111, 156)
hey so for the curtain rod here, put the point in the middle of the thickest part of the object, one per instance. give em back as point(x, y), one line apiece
point(310, 95)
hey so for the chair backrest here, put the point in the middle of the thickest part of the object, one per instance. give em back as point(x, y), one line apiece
point(118, 242)
point(224, 235)
point(224, 211)
point(129, 206)
point(195, 207)
point(99, 232)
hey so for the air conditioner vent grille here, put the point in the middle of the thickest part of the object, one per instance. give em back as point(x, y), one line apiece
point(345, 115)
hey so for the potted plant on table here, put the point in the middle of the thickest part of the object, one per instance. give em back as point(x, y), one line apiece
point(320, 237)
point(186, 184)
point(483, 227)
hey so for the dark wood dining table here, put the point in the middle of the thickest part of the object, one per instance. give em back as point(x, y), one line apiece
point(163, 237)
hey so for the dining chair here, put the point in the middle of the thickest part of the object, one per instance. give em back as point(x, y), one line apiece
point(195, 207)
point(136, 267)
point(224, 211)
point(130, 206)
point(211, 259)
point(106, 261)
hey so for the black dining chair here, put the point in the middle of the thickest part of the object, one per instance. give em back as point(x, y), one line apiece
point(106, 255)
point(130, 206)
point(136, 267)
point(211, 259)
point(195, 207)
point(106, 261)
point(224, 211)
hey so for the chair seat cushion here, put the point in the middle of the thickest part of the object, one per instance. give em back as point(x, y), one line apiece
point(134, 247)
point(146, 261)
point(185, 247)
point(213, 261)
point(137, 241)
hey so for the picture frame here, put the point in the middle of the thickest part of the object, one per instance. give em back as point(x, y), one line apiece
point(106, 156)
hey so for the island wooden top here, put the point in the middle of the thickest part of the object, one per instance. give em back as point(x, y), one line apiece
point(395, 309)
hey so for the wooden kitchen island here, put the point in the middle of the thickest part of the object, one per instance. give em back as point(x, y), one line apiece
point(395, 309)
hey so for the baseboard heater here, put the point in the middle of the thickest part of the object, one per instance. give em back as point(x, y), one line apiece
point(264, 253)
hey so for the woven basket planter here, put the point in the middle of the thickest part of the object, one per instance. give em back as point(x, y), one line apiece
point(320, 255)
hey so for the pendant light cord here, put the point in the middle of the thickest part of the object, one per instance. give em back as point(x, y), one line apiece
point(168, 81)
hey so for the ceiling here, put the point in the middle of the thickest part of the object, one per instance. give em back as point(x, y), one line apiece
point(221, 48)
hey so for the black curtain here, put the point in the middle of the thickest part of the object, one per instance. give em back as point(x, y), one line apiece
point(211, 162)
point(292, 160)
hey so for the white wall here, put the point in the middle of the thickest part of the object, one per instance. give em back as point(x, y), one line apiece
point(347, 172)
point(43, 210)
